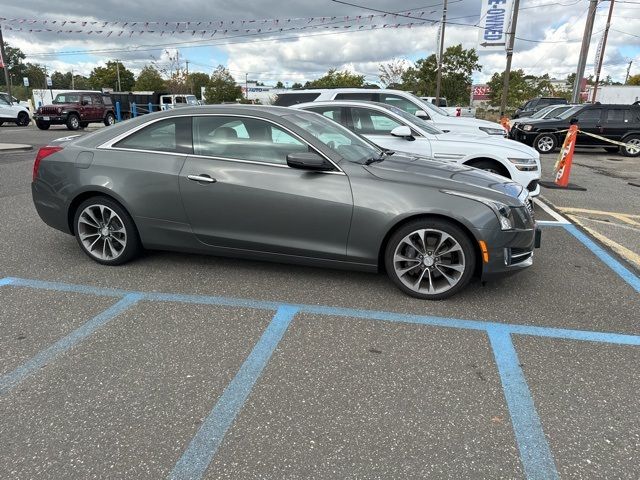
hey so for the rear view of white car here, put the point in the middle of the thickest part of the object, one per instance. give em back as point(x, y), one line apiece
point(13, 113)
point(394, 129)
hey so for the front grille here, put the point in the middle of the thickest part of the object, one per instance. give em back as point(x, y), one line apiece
point(49, 110)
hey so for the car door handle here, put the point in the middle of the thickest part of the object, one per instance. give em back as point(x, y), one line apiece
point(201, 178)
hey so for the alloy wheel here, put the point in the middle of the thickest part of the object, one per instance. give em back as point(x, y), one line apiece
point(102, 232)
point(636, 143)
point(545, 144)
point(429, 261)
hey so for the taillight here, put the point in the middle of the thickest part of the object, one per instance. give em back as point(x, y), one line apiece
point(44, 152)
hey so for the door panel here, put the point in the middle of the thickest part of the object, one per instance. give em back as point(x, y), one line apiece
point(616, 123)
point(256, 202)
point(589, 120)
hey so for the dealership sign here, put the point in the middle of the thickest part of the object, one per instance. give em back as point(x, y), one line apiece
point(481, 92)
point(495, 18)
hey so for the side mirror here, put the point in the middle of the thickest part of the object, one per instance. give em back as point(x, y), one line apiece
point(309, 161)
point(402, 131)
point(422, 114)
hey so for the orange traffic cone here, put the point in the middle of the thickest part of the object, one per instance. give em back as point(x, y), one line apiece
point(565, 158)
point(504, 121)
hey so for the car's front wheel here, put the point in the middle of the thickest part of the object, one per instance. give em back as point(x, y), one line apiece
point(73, 122)
point(23, 119)
point(545, 143)
point(106, 232)
point(633, 150)
point(430, 259)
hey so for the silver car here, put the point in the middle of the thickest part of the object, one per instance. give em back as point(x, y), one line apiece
point(283, 185)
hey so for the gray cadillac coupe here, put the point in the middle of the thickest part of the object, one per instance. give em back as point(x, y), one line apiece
point(284, 185)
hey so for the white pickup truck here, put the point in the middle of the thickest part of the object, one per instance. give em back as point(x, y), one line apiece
point(452, 111)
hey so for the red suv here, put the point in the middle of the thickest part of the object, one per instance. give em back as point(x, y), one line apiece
point(76, 110)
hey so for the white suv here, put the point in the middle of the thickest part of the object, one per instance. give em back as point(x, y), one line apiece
point(14, 113)
point(394, 129)
point(404, 100)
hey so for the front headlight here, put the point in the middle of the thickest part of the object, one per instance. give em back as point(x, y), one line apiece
point(527, 128)
point(524, 164)
point(493, 131)
point(503, 212)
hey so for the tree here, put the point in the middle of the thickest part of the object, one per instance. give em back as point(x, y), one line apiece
point(81, 82)
point(634, 80)
point(296, 85)
point(222, 87)
point(196, 81)
point(61, 80)
point(149, 80)
point(336, 79)
point(279, 84)
point(520, 90)
point(390, 73)
point(13, 59)
point(457, 66)
point(107, 77)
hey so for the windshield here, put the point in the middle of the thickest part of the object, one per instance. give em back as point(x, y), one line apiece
point(342, 141)
point(431, 106)
point(541, 113)
point(571, 112)
point(418, 122)
point(67, 98)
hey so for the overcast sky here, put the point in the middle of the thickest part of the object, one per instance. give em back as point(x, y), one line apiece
point(303, 53)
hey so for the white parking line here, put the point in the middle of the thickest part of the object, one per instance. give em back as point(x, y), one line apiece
point(559, 218)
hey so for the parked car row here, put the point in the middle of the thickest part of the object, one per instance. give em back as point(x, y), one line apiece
point(286, 185)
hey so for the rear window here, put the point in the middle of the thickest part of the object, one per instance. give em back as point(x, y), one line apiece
point(288, 99)
point(365, 96)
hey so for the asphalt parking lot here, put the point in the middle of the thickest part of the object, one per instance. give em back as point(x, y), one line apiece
point(184, 366)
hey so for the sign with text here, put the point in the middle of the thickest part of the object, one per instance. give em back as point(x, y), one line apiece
point(495, 18)
point(481, 92)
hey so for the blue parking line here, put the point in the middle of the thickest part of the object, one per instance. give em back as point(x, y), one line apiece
point(204, 445)
point(549, 332)
point(11, 379)
point(6, 281)
point(611, 262)
point(535, 453)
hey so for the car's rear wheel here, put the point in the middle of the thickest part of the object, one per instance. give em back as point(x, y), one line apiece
point(109, 119)
point(105, 231)
point(430, 259)
point(634, 149)
point(545, 143)
point(611, 149)
point(23, 119)
point(73, 122)
point(43, 125)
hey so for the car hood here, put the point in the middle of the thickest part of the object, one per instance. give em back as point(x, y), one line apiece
point(489, 141)
point(552, 122)
point(402, 167)
point(468, 121)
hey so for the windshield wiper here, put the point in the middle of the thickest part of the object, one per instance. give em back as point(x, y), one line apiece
point(379, 158)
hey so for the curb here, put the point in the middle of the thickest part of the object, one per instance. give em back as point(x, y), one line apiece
point(12, 148)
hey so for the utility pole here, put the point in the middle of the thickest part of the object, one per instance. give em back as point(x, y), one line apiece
point(507, 71)
point(626, 79)
point(186, 77)
point(246, 86)
point(584, 50)
point(73, 83)
point(439, 73)
point(118, 73)
point(604, 45)
point(5, 61)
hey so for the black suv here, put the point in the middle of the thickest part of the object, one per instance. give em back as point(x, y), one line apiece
point(535, 104)
point(615, 122)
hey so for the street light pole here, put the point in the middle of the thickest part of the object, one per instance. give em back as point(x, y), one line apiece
point(6, 65)
point(584, 50)
point(507, 71)
point(441, 49)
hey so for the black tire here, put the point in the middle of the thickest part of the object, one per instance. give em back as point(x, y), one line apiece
point(132, 247)
point(73, 122)
point(84, 124)
point(490, 166)
point(612, 149)
point(43, 125)
point(397, 241)
point(545, 142)
point(23, 119)
point(635, 140)
point(109, 119)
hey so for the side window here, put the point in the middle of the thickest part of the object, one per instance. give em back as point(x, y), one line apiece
point(334, 113)
point(591, 115)
point(366, 121)
point(400, 102)
point(244, 139)
point(632, 115)
point(97, 99)
point(288, 99)
point(3, 101)
point(87, 100)
point(171, 135)
point(616, 116)
point(365, 96)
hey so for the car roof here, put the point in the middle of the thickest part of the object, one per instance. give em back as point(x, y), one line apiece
point(346, 90)
point(340, 102)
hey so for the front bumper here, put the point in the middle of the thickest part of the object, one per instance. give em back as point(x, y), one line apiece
point(522, 136)
point(52, 119)
point(510, 252)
